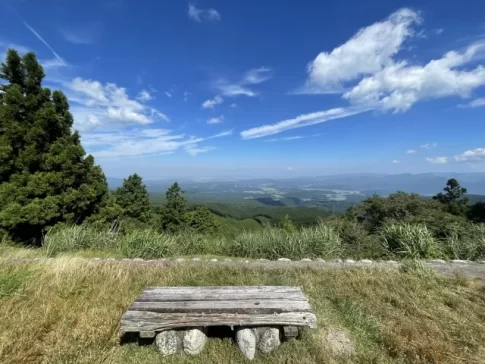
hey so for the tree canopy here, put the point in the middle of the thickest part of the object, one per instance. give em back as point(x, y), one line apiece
point(172, 215)
point(45, 175)
point(133, 198)
point(454, 197)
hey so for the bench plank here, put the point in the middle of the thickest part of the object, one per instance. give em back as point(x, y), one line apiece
point(224, 289)
point(135, 321)
point(230, 306)
point(174, 297)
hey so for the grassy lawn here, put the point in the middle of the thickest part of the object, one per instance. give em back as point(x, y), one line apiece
point(67, 310)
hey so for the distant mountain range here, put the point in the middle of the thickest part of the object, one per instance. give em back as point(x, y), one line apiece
point(366, 183)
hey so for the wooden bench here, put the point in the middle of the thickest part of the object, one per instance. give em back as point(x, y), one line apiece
point(160, 309)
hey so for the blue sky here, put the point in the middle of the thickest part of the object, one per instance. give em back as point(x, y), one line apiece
point(216, 88)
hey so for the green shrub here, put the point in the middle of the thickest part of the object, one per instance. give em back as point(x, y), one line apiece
point(319, 241)
point(464, 242)
point(409, 241)
point(356, 240)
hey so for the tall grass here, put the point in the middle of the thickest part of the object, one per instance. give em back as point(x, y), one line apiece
point(321, 241)
point(410, 241)
point(465, 243)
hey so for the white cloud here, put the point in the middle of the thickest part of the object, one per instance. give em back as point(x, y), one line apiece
point(85, 35)
point(437, 160)
point(168, 94)
point(399, 86)
point(231, 90)
point(290, 168)
point(58, 62)
point(108, 103)
point(200, 15)
point(257, 75)
point(216, 120)
point(429, 145)
point(410, 151)
point(143, 142)
point(144, 96)
point(233, 105)
point(139, 78)
point(480, 102)
point(209, 104)
point(473, 155)
point(380, 81)
point(395, 161)
point(186, 95)
point(300, 121)
point(92, 120)
point(366, 71)
point(128, 116)
point(367, 52)
point(252, 77)
point(284, 139)
point(439, 31)
point(193, 150)
point(222, 134)
point(4, 46)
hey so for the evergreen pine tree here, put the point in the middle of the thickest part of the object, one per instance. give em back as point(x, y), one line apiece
point(172, 215)
point(45, 176)
point(133, 198)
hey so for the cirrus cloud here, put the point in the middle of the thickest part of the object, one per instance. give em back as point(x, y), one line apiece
point(201, 15)
point(437, 160)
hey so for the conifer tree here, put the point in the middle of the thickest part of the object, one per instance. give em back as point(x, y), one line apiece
point(45, 175)
point(133, 198)
point(172, 215)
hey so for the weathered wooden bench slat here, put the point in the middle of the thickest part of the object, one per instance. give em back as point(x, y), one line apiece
point(237, 306)
point(174, 297)
point(135, 321)
point(224, 289)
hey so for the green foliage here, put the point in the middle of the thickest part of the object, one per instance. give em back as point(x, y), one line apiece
point(173, 213)
point(287, 225)
point(109, 212)
point(133, 199)
point(45, 177)
point(464, 242)
point(11, 281)
point(409, 241)
point(454, 197)
point(201, 220)
point(418, 268)
point(476, 212)
point(357, 242)
point(402, 207)
point(318, 241)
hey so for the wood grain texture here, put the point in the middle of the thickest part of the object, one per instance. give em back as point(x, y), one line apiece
point(162, 308)
point(135, 321)
point(233, 306)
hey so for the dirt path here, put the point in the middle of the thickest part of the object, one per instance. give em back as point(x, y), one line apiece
point(450, 268)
